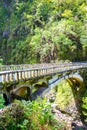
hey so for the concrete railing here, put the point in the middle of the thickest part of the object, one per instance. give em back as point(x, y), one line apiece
point(29, 66)
point(20, 73)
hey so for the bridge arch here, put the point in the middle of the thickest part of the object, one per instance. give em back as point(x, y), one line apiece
point(69, 98)
point(75, 79)
point(38, 85)
point(71, 78)
point(22, 92)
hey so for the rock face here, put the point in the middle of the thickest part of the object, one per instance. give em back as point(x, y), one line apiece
point(67, 117)
point(74, 126)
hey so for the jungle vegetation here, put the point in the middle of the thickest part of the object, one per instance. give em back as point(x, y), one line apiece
point(35, 115)
point(36, 31)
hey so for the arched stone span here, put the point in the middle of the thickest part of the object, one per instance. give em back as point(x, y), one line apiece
point(70, 78)
point(75, 79)
point(38, 85)
point(26, 91)
point(76, 89)
point(22, 92)
point(43, 86)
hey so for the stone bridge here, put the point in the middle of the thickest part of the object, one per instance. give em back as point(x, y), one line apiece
point(22, 81)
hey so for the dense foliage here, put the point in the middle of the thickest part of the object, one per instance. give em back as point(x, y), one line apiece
point(43, 31)
point(1, 101)
point(35, 115)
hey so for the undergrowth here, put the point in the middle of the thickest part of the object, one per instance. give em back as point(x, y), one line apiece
point(26, 115)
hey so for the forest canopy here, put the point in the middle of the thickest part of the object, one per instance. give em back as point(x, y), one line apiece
point(36, 31)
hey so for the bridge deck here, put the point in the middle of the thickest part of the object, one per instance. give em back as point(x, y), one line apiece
point(18, 72)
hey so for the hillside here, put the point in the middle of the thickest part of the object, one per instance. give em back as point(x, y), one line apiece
point(34, 31)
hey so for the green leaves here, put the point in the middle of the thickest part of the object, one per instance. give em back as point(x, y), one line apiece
point(35, 115)
point(84, 106)
point(84, 40)
point(66, 97)
point(1, 101)
point(44, 9)
point(50, 30)
point(67, 13)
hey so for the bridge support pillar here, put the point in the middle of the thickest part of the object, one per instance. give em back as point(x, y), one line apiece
point(29, 94)
point(7, 98)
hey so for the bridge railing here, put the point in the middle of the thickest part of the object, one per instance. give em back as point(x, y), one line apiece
point(15, 75)
point(28, 66)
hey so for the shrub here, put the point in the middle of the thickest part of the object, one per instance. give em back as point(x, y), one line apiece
point(35, 115)
point(11, 117)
